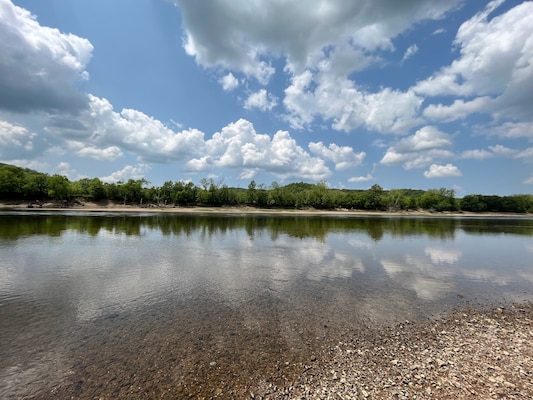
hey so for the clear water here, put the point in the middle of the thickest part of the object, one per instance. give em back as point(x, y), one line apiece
point(141, 305)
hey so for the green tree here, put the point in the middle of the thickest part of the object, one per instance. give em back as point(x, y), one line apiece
point(96, 189)
point(58, 187)
point(439, 200)
point(251, 194)
point(395, 200)
point(35, 186)
point(11, 182)
point(132, 190)
point(374, 198)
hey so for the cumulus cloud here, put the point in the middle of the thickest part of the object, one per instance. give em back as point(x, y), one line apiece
point(239, 146)
point(420, 149)
point(128, 172)
point(495, 60)
point(15, 141)
point(262, 100)
point(322, 44)
point(513, 130)
point(229, 82)
point(338, 99)
point(357, 179)
point(502, 151)
point(459, 109)
point(240, 35)
point(477, 154)
point(39, 65)
point(108, 153)
point(65, 169)
point(101, 129)
point(442, 171)
point(343, 157)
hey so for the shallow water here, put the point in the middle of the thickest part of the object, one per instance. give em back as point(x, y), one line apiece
point(155, 305)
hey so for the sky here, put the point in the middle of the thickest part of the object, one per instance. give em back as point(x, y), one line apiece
point(414, 94)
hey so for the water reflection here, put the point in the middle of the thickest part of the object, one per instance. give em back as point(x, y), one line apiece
point(247, 285)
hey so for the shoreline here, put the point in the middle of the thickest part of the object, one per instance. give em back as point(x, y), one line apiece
point(468, 353)
point(120, 208)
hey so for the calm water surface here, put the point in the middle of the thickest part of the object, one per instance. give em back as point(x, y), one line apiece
point(155, 305)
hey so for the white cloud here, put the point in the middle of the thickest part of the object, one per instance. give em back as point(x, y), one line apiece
point(476, 154)
point(101, 129)
point(262, 100)
point(527, 153)
point(502, 151)
point(411, 51)
point(339, 100)
point(39, 65)
point(343, 157)
point(229, 82)
point(460, 109)
point(239, 146)
point(108, 153)
point(357, 179)
point(64, 169)
point(513, 130)
point(420, 149)
point(128, 172)
point(240, 36)
point(529, 181)
point(15, 141)
point(442, 171)
point(425, 138)
point(495, 60)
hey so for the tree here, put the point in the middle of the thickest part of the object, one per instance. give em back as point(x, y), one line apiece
point(251, 194)
point(395, 200)
point(58, 187)
point(96, 189)
point(11, 181)
point(439, 200)
point(35, 186)
point(374, 198)
point(473, 203)
point(132, 190)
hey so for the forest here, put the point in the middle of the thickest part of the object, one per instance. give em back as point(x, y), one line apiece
point(22, 184)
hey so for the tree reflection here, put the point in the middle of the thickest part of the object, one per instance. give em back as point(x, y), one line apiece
point(16, 225)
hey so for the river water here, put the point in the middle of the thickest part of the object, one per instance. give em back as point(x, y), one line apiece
point(177, 305)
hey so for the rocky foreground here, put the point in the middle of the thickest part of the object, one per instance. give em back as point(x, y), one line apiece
point(468, 355)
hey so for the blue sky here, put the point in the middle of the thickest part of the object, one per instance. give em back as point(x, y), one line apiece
point(418, 94)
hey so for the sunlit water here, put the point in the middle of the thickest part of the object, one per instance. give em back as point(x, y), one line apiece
point(147, 304)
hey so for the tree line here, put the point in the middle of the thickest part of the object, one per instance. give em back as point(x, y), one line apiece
point(28, 185)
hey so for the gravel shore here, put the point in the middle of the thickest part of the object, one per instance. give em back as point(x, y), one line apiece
point(468, 355)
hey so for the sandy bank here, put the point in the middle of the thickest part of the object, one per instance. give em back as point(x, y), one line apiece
point(117, 207)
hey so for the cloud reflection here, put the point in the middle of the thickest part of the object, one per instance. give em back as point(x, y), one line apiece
point(440, 255)
point(420, 275)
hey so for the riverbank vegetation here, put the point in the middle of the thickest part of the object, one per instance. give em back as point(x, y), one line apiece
point(21, 184)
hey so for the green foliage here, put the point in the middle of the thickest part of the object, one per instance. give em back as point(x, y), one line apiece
point(520, 203)
point(24, 184)
point(439, 200)
point(58, 187)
